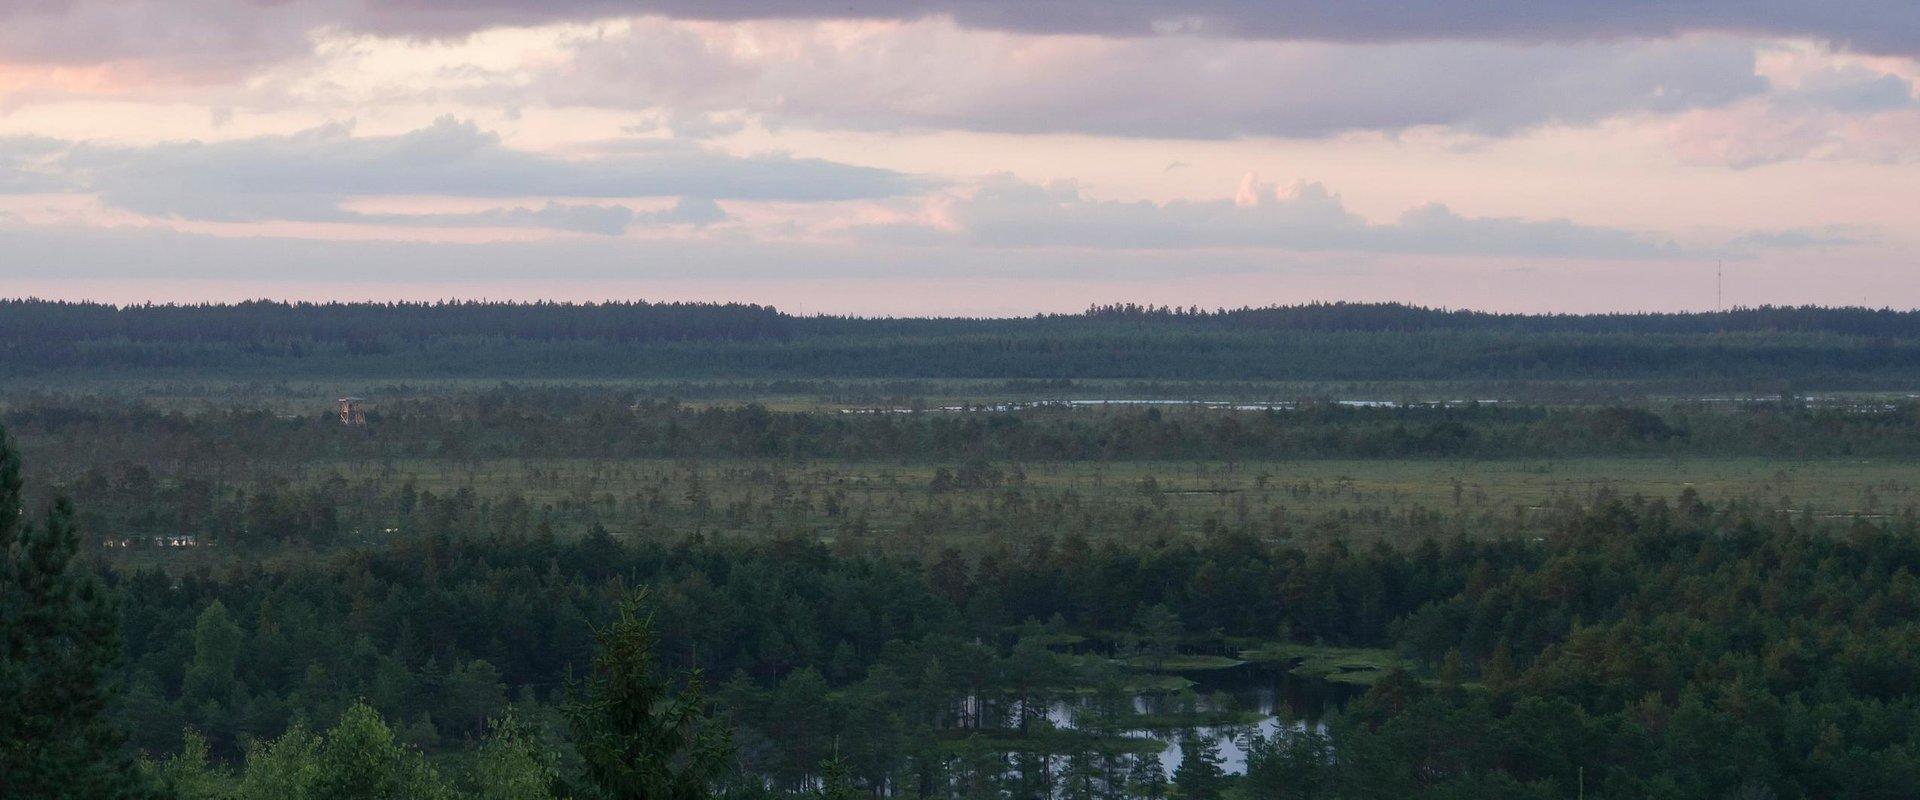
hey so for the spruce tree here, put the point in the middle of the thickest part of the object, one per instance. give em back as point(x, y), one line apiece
point(637, 738)
point(1199, 776)
point(59, 654)
point(836, 781)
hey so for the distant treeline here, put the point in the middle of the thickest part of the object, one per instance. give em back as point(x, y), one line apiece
point(264, 321)
point(1398, 317)
point(622, 321)
point(583, 423)
point(1806, 346)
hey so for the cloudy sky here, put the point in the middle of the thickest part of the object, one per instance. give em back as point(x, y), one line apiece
point(964, 156)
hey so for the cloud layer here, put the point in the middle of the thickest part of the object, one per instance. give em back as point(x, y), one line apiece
point(224, 33)
point(933, 75)
point(1305, 217)
point(433, 142)
point(308, 176)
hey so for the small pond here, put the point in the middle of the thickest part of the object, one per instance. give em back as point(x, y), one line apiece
point(1278, 698)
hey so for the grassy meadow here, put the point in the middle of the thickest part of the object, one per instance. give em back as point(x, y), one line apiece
point(887, 495)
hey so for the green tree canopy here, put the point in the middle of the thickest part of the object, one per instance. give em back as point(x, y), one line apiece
point(1199, 776)
point(216, 654)
point(59, 651)
point(638, 738)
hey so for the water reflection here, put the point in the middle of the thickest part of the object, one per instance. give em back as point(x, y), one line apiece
point(1278, 698)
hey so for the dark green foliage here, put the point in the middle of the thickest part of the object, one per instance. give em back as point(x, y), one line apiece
point(371, 328)
point(216, 655)
point(638, 738)
point(59, 659)
point(1332, 342)
point(1160, 632)
point(1199, 776)
point(1780, 658)
point(836, 781)
point(1624, 647)
point(1146, 779)
point(360, 759)
point(513, 764)
point(1291, 765)
point(191, 774)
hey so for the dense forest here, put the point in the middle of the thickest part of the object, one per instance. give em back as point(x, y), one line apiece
point(1627, 647)
point(835, 569)
point(1763, 348)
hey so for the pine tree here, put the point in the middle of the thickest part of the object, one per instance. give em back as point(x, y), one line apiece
point(59, 649)
point(1147, 779)
point(1082, 778)
point(638, 739)
point(1113, 774)
point(1199, 776)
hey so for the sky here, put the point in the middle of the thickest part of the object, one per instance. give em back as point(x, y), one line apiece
point(964, 157)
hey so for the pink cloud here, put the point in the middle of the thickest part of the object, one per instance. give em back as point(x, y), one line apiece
point(1757, 133)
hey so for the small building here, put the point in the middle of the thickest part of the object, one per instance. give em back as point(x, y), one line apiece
point(353, 411)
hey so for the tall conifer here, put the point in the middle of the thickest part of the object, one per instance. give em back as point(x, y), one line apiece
point(59, 654)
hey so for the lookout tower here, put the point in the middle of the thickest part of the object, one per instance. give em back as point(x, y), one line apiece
point(353, 411)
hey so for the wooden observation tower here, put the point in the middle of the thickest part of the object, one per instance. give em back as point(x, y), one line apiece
point(353, 411)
